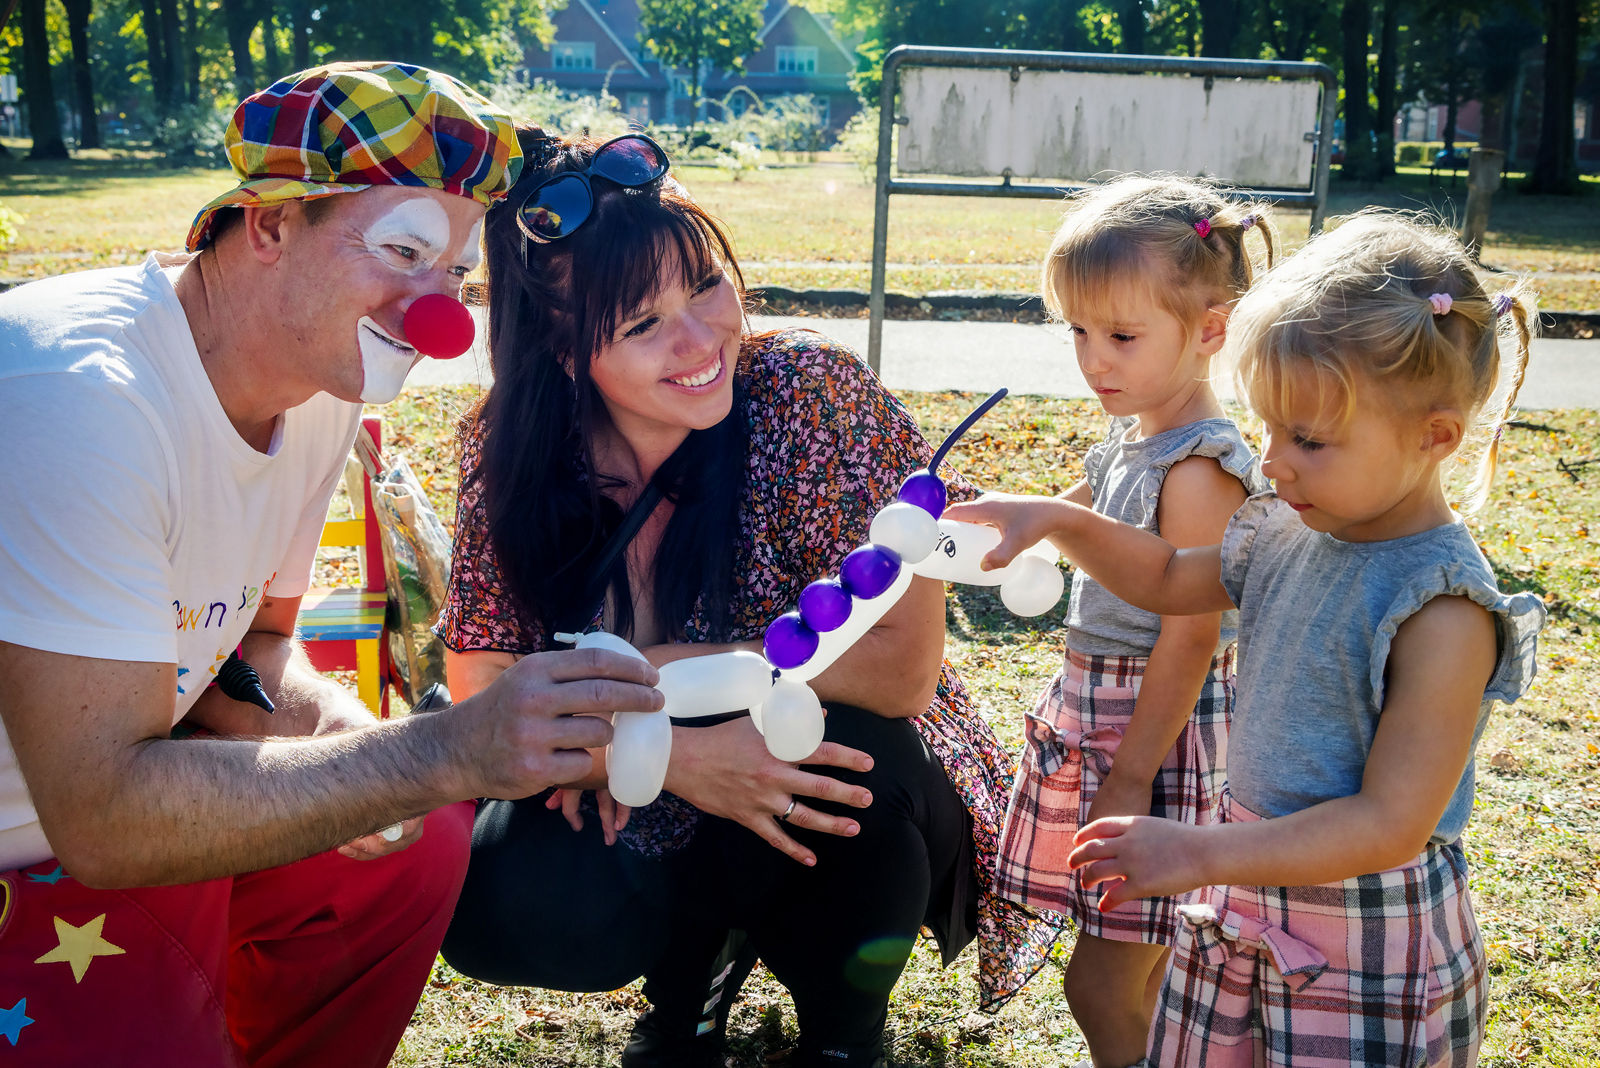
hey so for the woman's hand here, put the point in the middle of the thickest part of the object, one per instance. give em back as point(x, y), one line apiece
point(1022, 521)
point(1137, 856)
point(726, 771)
point(613, 817)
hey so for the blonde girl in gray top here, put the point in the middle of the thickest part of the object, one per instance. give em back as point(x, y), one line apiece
point(1145, 271)
point(1334, 924)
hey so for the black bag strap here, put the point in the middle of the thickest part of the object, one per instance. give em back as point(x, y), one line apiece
point(620, 538)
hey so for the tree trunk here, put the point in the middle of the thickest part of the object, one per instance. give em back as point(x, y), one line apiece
point(300, 16)
point(172, 48)
point(236, 20)
point(1452, 108)
point(44, 124)
point(78, 12)
point(1131, 17)
point(156, 53)
point(1388, 88)
point(191, 53)
point(1493, 134)
point(271, 59)
point(1219, 27)
point(1555, 167)
point(1354, 20)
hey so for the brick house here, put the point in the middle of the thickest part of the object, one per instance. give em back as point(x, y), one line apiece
point(597, 44)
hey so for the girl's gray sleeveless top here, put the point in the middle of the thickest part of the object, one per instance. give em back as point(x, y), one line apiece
point(1125, 477)
point(1317, 616)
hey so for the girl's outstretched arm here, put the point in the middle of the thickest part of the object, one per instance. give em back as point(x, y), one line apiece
point(1439, 665)
point(1197, 498)
point(1134, 565)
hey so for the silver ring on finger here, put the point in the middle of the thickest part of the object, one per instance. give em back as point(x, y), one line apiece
point(784, 816)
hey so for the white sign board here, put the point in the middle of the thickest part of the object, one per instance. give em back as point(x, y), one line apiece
point(1076, 126)
point(8, 88)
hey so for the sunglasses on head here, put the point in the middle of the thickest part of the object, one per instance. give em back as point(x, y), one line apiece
point(558, 206)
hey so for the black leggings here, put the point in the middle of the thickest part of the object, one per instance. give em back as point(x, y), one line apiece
point(561, 910)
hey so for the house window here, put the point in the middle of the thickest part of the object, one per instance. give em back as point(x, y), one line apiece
point(572, 55)
point(637, 106)
point(796, 59)
point(737, 104)
point(824, 111)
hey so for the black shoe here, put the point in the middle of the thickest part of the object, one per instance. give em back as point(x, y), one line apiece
point(653, 1045)
point(839, 1058)
point(435, 698)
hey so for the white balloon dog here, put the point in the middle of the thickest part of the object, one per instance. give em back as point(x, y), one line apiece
point(907, 538)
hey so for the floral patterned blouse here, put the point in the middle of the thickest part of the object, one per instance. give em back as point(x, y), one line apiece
point(828, 447)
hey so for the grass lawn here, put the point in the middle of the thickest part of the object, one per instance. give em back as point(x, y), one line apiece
point(805, 226)
point(1534, 843)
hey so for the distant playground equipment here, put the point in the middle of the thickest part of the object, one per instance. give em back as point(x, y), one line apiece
point(1073, 117)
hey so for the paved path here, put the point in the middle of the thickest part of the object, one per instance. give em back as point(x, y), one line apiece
point(1025, 358)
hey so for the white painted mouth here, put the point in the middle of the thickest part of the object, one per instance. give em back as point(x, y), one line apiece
point(385, 362)
point(704, 377)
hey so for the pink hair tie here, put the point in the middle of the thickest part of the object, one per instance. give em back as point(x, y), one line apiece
point(1441, 303)
point(1203, 228)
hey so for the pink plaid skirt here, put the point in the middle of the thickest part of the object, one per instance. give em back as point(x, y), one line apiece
point(1072, 737)
point(1379, 969)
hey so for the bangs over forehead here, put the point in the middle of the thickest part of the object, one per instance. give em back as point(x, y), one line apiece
point(1288, 359)
point(632, 247)
point(1092, 272)
point(1281, 386)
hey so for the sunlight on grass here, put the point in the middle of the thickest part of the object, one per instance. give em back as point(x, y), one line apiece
point(800, 225)
point(1534, 843)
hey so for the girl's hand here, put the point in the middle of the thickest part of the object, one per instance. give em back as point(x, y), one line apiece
point(613, 817)
point(1137, 856)
point(1021, 520)
point(726, 771)
point(1119, 796)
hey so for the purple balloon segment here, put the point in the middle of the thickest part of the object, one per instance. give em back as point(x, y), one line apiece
point(925, 490)
point(869, 571)
point(789, 642)
point(824, 605)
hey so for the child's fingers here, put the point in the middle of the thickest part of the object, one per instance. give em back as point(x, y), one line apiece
point(1096, 872)
point(607, 814)
point(1115, 894)
point(623, 812)
point(569, 808)
point(1103, 828)
point(1002, 554)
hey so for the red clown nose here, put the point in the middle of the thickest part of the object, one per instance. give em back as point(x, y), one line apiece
point(439, 326)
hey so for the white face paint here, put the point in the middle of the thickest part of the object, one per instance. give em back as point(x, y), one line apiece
point(385, 362)
point(412, 235)
point(410, 238)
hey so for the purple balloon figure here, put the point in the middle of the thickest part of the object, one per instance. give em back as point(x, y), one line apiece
point(789, 642)
point(869, 571)
point(824, 605)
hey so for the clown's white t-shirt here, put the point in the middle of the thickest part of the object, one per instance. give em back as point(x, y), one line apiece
point(137, 524)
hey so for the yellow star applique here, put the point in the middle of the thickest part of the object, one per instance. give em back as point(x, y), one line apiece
point(80, 945)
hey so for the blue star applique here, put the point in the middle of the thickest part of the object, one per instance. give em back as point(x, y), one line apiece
point(53, 878)
point(14, 1019)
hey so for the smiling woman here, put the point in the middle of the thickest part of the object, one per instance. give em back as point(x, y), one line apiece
point(645, 465)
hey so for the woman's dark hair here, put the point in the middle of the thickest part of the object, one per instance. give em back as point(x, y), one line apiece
point(552, 307)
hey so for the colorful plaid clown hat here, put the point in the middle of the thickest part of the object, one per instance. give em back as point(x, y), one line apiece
point(347, 126)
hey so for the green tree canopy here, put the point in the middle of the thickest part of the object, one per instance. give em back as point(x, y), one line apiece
point(699, 35)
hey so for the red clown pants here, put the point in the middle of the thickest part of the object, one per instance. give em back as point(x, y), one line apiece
point(317, 963)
